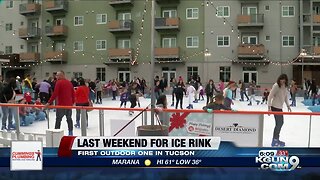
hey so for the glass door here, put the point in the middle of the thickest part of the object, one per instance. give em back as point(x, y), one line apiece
point(124, 76)
point(168, 75)
point(249, 76)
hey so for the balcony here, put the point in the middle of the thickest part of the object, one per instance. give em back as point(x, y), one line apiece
point(312, 50)
point(120, 26)
point(167, 23)
point(56, 56)
point(167, 54)
point(115, 3)
point(117, 55)
point(29, 57)
point(167, 1)
point(25, 33)
point(57, 6)
point(252, 20)
point(56, 31)
point(251, 52)
point(30, 9)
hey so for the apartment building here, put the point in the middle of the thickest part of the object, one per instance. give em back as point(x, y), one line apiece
point(106, 39)
point(251, 40)
point(307, 66)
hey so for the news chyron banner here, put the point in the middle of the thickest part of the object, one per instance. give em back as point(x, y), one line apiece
point(141, 151)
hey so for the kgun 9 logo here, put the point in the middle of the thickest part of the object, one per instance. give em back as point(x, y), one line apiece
point(277, 160)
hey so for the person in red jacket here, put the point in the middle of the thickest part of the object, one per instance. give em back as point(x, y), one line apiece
point(64, 95)
point(82, 99)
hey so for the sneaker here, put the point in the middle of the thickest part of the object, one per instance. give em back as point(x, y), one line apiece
point(188, 107)
point(11, 127)
point(277, 143)
point(70, 133)
point(77, 125)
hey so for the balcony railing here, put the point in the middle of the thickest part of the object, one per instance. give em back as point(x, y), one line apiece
point(57, 6)
point(255, 20)
point(312, 50)
point(120, 26)
point(52, 31)
point(29, 9)
point(29, 57)
point(251, 51)
point(120, 2)
point(56, 56)
point(117, 54)
point(167, 53)
point(167, 23)
point(29, 32)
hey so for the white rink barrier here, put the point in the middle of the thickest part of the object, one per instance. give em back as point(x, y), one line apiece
point(7, 136)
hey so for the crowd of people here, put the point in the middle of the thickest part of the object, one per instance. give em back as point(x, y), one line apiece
point(57, 90)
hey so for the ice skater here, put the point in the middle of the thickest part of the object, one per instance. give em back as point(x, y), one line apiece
point(227, 94)
point(190, 93)
point(278, 96)
point(124, 98)
point(265, 96)
point(252, 93)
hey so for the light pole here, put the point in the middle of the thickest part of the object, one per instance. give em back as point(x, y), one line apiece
point(302, 54)
point(207, 54)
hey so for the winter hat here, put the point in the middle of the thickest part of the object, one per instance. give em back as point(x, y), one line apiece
point(231, 82)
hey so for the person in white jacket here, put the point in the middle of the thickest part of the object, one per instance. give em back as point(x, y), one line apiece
point(190, 93)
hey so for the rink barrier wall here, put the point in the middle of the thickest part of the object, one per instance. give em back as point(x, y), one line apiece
point(19, 135)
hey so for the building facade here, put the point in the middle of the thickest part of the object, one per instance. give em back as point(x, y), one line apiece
point(238, 40)
point(106, 39)
point(248, 40)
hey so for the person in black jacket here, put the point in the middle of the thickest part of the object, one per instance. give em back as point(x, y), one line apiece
point(210, 89)
point(8, 95)
point(133, 92)
point(180, 89)
point(216, 105)
point(314, 91)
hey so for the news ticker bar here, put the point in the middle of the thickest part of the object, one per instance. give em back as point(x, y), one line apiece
point(228, 155)
point(182, 162)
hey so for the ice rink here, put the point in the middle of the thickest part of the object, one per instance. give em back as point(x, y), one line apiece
point(295, 131)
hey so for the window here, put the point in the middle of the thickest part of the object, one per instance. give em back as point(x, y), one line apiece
point(287, 41)
point(192, 13)
point(223, 11)
point(223, 41)
point(101, 74)
point(316, 9)
point(267, 38)
point(249, 39)
point(101, 18)
point(34, 48)
point(8, 50)
point(267, 8)
point(101, 44)
point(287, 11)
point(192, 71)
point(78, 20)
point(316, 40)
point(124, 43)
point(225, 73)
point(78, 46)
point(9, 4)
point(172, 13)
point(9, 27)
point(169, 42)
point(77, 74)
point(192, 42)
point(124, 16)
point(59, 22)
point(21, 46)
